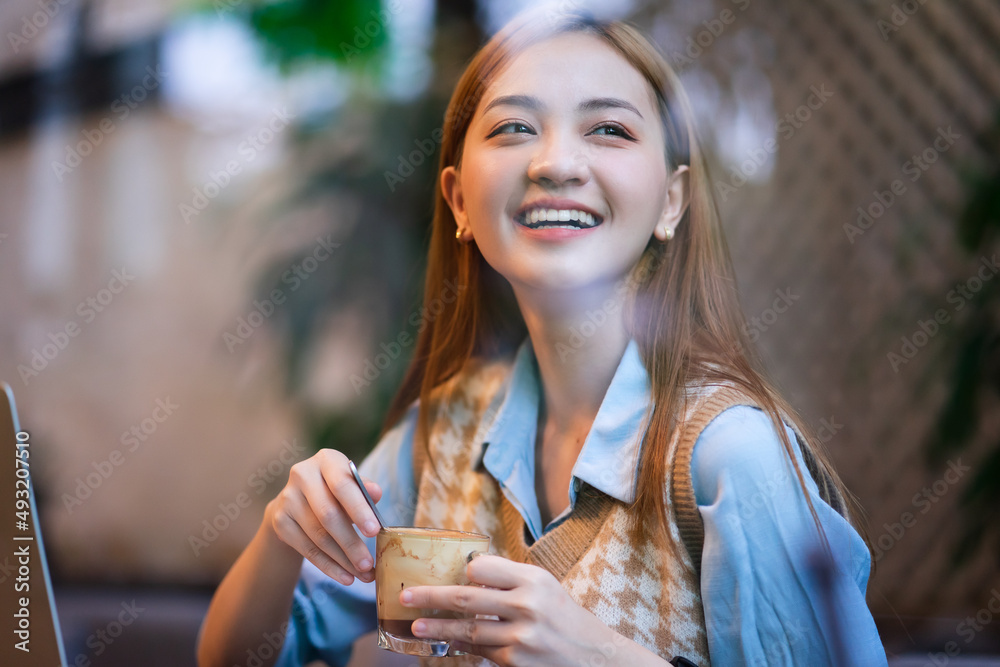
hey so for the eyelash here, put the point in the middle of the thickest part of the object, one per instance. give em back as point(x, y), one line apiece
point(615, 126)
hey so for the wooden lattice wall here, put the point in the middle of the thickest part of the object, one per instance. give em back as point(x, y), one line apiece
point(902, 75)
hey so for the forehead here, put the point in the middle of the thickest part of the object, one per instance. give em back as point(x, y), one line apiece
point(570, 67)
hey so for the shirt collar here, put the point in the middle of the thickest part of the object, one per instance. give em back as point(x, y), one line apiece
point(609, 458)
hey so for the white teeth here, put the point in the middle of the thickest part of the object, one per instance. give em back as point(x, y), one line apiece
point(553, 215)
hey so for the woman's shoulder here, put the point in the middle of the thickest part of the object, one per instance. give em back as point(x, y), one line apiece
point(740, 451)
point(740, 447)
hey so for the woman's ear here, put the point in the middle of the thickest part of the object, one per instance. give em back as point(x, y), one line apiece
point(675, 204)
point(451, 189)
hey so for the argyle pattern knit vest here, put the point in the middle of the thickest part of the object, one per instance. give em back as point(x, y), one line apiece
point(644, 593)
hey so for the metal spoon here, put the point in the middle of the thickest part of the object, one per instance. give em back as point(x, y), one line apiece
point(371, 503)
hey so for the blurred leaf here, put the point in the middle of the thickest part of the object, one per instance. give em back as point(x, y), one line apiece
point(980, 221)
point(975, 363)
point(982, 511)
point(344, 31)
point(958, 420)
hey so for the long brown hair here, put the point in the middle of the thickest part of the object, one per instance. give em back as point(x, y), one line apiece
point(683, 310)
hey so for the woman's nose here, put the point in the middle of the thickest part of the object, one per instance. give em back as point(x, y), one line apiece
point(560, 159)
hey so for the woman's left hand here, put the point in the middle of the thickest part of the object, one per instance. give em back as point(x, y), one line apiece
point(539, 623)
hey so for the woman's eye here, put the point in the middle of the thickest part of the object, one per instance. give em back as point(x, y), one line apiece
point(510, 128)
point(612, 131)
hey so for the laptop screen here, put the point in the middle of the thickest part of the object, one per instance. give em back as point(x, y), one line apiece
point(31, 633)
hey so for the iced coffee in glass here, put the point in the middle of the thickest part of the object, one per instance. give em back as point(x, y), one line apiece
point(406, 557)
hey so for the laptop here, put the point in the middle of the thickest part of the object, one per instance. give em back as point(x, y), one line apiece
point(31, 635)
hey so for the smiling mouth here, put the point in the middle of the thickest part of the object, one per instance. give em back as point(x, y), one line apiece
point(543, 218)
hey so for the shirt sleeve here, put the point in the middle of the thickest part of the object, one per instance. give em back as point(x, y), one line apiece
point(762, 594)
point(327, 616)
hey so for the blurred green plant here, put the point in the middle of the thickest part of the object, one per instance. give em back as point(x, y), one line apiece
point(297, 31)
point(974, 358)
point(311, 29)
point(371, 162)
point(378, 270)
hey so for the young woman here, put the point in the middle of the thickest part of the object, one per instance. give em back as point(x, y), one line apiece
point(587, 397)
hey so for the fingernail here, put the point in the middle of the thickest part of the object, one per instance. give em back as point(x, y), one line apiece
point(371, 527)
point(406, 597)
point(419, 627)
point(365, 565)
point(346, 579)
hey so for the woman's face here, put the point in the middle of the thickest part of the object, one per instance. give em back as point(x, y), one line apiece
point(569, 126)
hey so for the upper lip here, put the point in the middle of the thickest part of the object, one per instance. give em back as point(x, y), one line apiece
point(559, 205)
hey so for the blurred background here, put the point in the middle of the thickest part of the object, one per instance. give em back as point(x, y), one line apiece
point(213, 217)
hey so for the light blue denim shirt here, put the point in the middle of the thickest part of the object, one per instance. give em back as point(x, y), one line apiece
point(762, 598)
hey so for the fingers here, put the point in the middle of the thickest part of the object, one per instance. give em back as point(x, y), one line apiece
point(329, 526)
point(334, 468)
point(318, 509)
point(471, 632)
point(470, 600)
point(329, 558)
point(374, 490)
point(499, 572)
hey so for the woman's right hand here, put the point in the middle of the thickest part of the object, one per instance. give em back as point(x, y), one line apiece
point(316, 512)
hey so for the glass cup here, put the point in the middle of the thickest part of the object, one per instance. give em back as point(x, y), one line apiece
point(407, 557)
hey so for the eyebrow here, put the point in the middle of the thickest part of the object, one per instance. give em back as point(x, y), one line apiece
point(535, 104)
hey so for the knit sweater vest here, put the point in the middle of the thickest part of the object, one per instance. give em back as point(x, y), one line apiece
point(642, 592)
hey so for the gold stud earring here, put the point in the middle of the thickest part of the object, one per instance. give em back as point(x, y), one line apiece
point(458, 233)
point(669, 233)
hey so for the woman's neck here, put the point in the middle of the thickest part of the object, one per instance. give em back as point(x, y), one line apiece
point(578, 342)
